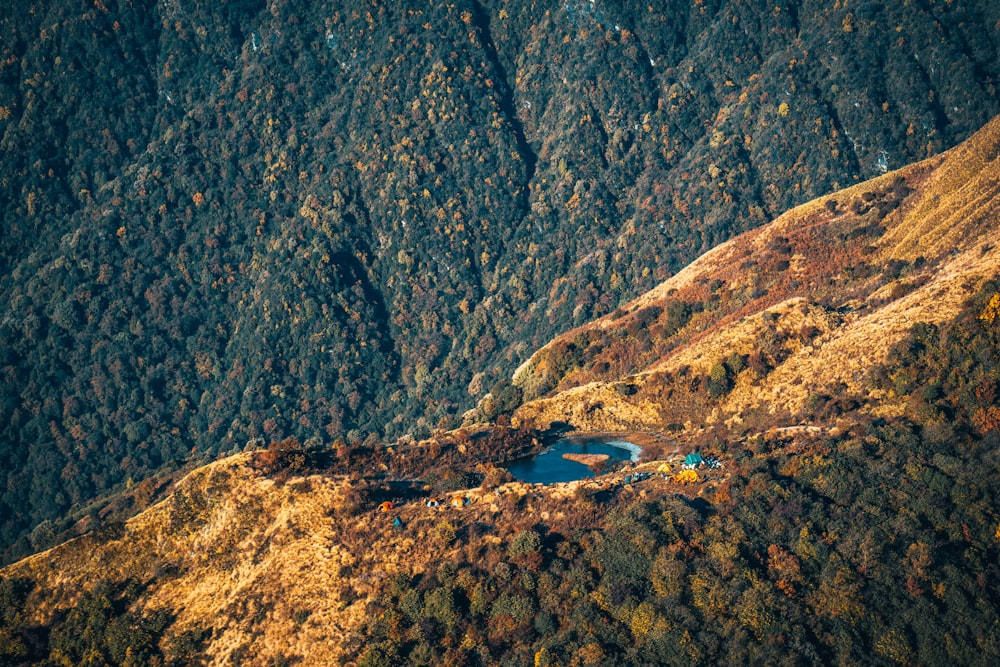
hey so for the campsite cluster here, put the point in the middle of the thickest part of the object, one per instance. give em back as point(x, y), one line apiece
point(455, 502)
point(690, 469)
point(861, 544)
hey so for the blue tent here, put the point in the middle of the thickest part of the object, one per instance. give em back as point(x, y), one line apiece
point(693, 459)
point(397, 523)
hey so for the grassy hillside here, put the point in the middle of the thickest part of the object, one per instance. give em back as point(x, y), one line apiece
point(852, 516)
point(863, 546)
point(241, 222)
point(789, 318)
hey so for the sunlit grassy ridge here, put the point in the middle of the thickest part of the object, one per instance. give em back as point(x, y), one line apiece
point(225, 222)
point(822, 293)
point(847, 387)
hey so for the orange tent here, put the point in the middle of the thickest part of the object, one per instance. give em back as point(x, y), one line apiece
point(686, 477)
point(387, 506)
point(458, 502)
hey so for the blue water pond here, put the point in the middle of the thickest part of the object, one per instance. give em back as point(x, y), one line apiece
point(549, 466)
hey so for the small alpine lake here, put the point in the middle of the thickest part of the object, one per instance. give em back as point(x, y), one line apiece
point(551, 467)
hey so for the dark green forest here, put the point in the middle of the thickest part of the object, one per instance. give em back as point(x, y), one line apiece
point(878, 545)
point(228, 223)
point(875, 545)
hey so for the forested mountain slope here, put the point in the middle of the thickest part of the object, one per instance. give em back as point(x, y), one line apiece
point(788, 321)
point(240, 220)
point(852, 519)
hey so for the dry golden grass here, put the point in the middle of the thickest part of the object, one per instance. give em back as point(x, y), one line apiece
point(958, 205)
point(843, 357)
point(254, 556)
point(591, 407)
point(246, 561)
point(950, 220)
point(286, 569)
point(741, 337)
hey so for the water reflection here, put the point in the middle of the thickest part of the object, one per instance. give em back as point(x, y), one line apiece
point(550, 466)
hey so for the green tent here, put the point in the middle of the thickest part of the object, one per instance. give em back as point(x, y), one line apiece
point(693, 459)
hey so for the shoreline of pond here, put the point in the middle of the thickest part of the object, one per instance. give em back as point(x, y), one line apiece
point(550, 465)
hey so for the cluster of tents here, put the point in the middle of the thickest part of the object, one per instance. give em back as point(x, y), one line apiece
point(637, 477)
point(687, 475)
point(456, 502)
point(694, 461)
